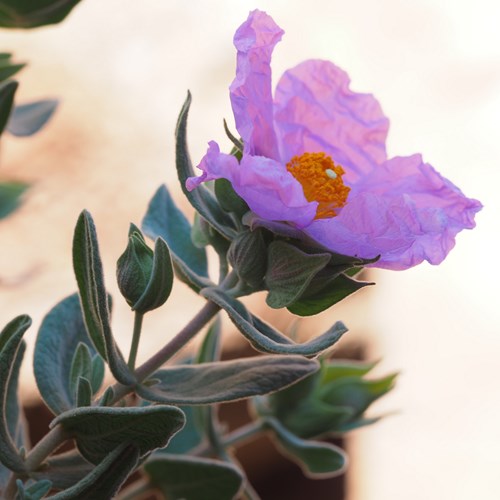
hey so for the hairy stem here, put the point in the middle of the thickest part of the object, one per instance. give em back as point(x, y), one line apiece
point(206, 313)
point(238, 436)
point(135, 339)
point(49, 443)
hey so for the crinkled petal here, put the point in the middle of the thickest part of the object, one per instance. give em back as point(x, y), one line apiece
point(269, 189)
point(316, 111)
point(405, 212)
point(251, 91)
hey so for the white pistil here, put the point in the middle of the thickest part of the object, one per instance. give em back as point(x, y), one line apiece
point(330, 173)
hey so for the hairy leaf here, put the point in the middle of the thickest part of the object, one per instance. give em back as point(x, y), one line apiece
point(266, 339)
point(95, 304)
point(60, 334)
point(99, 430)
point(316, 459)
point(226, 380)
point(200, 198)
point(10, 348)
point(163, 219)
point(194, 478)
point(105, 479)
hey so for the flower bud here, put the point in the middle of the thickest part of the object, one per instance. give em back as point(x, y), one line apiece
point(134, 268)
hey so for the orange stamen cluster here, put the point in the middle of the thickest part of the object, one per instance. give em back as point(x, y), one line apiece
point(321, 180)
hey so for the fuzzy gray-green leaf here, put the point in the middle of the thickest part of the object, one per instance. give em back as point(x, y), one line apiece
point(10, 344)
point(226, 380)
point(317, 459)
point(194, 478)
point(265, 338)
point(60, 334)
point(95, 305)
point(99, 430)
point(289, 272)
point(106, 479)
point(200, 198)
point(163, 219)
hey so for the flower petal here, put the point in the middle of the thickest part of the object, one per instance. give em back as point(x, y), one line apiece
point(269, 189)
point(316, 111)
point(251, 92)
point(405, 211)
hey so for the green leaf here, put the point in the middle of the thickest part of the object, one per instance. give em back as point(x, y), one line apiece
point(316, 459)
point(339, 289)
point(64, 469)
point(238, 143)
point(106, 479)
point(194, 478)
point(34, 491)
point(356, 393)
point(99, 430)
point(341, 368)
point(248, 257)
point(203, 234)
point(7, 68)
point(265, 338)
point(210, 347)
point(33, 13)
point(60, 334)
point(7, 92)
point(289, 272)
point(97, 374)
point(10, 194)
point(160, 282)
point(226, 380)
point(108, 397)
point(81, 366)
point(203, 200)
point(229, 199)
point(10, 348)
point(28, 119)
point(163, 219)
point(95, 305)
point(187, 438)
point(83, 392)
point(13, 413)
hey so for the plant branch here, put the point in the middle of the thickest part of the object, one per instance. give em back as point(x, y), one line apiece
point(206, 313)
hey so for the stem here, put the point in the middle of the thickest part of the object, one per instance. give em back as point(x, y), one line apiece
point(135, 340)
point(238, 436)
point(48, 444)
point(206, 313)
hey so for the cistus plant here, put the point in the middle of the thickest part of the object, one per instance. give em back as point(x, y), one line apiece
point(302, 203)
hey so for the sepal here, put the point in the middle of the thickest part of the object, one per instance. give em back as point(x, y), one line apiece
point(248, 257)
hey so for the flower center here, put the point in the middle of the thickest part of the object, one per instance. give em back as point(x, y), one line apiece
point(321, 180)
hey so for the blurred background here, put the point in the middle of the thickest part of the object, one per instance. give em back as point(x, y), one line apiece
point(121, 70)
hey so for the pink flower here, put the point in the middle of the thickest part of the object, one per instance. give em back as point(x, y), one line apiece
point(314, 157)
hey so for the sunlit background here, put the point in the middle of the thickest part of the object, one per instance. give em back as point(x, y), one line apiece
point(121, 70)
